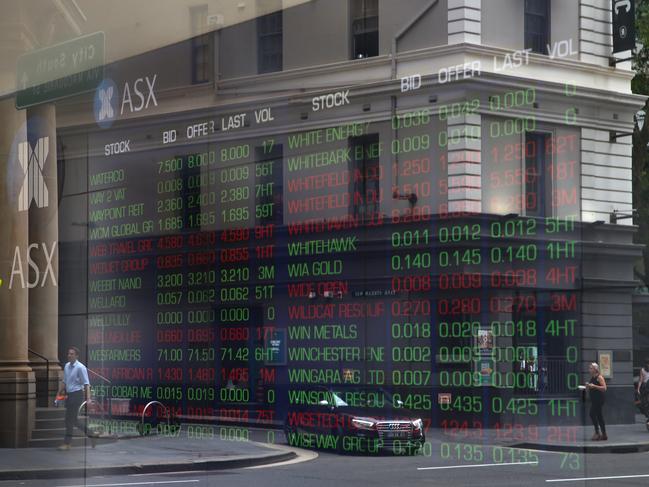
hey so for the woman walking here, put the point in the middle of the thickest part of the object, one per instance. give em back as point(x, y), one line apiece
point(597, 388)
point(643, 389)
point(644, 377)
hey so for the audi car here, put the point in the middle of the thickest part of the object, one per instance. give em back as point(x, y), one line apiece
point(352, 420)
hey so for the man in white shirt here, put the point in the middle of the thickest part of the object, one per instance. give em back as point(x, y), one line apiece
point(76, 384)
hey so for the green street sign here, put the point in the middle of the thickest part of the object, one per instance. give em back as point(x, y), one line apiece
point(58, 71)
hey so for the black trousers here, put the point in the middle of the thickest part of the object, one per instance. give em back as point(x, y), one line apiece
point(597, 417)
point(72, 404)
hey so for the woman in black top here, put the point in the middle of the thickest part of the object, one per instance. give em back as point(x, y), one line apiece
point(644, 377)
point(597, 388)
point(643, 390)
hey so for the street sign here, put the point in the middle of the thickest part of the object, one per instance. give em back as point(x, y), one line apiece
point(58, 71)
point(623, 25)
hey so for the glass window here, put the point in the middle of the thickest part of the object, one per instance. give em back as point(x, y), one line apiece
point(394, 258)
point(538, 186)
point(365, 28)
point(201, 46)
point(201, 55)
point(366, 190)
point(269, 42)
point(537, 25)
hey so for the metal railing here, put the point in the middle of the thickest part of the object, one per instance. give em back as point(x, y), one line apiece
point(47, 370)
point(552, 376)
point(99, 375)
point(102, 409)
point(85, 403)
point(141, 428)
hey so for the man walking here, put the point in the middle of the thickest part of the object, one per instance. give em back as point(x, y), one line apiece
point(76, 384)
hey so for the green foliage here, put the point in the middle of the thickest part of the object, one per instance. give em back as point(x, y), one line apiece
point(640, 83)
point(640, 86)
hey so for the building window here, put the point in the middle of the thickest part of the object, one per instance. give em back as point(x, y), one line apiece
point(365, 188)
point(365, 28)
point(537, 25)
point(269, 43)
point(538, 181)
point(201, 46)
point(201, 58)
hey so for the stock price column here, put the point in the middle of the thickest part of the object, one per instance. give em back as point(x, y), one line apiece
point(237, 315)
point(416, 170)
point(185, 293)
point(120, 259)
point(250, 186)
point(331, 190)
point(531, 177)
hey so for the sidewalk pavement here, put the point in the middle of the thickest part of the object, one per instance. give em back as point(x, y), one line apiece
point(622, 438)
point(132, 453)
point(129, 455)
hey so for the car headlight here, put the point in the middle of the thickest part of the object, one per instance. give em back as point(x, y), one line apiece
point(418, 424)
point(363, 424)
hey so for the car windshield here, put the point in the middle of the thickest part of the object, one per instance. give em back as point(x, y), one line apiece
point(366, 398)
point(338, 401)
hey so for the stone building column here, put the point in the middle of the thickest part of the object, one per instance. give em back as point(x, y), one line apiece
point(465, 164)
point(464, 21)
point(43, 241)
point(17, 387)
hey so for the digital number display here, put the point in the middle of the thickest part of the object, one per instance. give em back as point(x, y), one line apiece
point(417, 262)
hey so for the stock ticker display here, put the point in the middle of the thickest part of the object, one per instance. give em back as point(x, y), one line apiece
point(241, 264)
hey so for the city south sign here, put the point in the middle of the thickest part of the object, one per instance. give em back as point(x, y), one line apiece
point(59, 71)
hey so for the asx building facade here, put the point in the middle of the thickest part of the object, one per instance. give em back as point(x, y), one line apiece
point(422, 204)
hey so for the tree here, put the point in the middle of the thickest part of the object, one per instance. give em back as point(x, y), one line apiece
point(640, 86)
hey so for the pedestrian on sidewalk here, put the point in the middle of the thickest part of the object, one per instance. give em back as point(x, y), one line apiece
point(597, 390)
point(644, 377)
point(643, 389)
point(76, 384)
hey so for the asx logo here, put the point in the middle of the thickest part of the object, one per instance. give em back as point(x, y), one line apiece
point(136, 96)
point(106, 97)
point(31, 278)
point(32, 160)
point(105, 106)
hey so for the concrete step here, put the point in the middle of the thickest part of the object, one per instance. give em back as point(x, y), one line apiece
point(50, 413)
point(46, 424)
point(48, 433)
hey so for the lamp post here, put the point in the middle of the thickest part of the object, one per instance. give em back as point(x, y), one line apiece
point(639, 119)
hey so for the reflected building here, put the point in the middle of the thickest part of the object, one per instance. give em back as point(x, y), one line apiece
point(427, 200)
